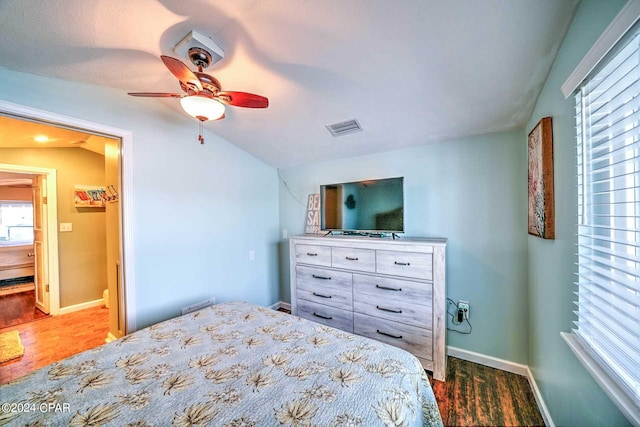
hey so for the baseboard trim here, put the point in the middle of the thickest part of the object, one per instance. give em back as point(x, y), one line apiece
point(490, 361)
point(280, 304)
point(544, 411)
point(82, 306)
point(110, 337)
point(508, 366)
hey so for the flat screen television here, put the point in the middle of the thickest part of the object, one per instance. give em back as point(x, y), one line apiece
point(371, 206)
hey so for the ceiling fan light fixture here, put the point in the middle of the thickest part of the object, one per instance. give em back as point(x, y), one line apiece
point(202, 108)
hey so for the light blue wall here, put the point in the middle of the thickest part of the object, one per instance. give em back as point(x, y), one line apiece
point(572, 396)
point(471, 191)
point(197, 209)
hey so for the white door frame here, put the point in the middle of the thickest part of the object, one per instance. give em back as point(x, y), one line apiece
point(51, 212)
point(126, 199)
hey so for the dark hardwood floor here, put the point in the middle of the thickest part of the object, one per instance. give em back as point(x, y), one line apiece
point(19, 308)
point(476, 395)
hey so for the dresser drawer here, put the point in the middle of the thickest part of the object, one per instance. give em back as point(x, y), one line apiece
point(335, 290)
point(354, 259)
point(397, 290)
point(406, 264)
point(314, 254)
point(330, 316)
point(417, 341)
point(320, 278)
point(405, 312)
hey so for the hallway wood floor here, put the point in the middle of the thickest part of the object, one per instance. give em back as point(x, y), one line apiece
point(19, 308)
point(54, 338)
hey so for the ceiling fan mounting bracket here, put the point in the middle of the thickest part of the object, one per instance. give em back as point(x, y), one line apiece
point(198, 40)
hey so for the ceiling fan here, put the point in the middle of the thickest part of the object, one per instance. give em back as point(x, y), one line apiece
point(203, 97)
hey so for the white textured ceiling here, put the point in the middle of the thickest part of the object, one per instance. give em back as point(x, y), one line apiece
point(411, 71)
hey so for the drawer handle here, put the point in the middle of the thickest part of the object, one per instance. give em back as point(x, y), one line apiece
point(321, 316)
point(30, 254)
point(311, 254)
point(322, 296)
point(315, 276)
point(398, 337)
point(388, 309)
point(351, 258)
point(388, 289)
point(401, 263)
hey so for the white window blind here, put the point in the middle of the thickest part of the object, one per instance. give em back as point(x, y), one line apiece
point(608, 159)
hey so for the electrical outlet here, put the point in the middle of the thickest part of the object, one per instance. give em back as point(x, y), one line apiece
point(464, 307)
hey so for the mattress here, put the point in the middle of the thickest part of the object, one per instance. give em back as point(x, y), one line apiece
point(234, 364)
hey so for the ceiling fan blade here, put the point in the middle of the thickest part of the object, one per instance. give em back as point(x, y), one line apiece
point(243, 99)
point(156, 94)
point(181, 71)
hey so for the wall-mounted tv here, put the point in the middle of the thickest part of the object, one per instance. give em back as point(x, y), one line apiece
point(371, 206)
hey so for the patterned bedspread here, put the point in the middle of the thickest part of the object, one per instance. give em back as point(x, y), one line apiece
point(233, 365)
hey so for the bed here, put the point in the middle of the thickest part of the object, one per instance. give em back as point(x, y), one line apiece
point(234, 365)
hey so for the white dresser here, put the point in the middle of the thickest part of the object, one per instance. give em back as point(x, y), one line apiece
point(389, 290)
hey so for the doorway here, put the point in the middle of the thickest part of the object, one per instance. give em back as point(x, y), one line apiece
point(123, 321)
point(19, 302)
point(29, 260)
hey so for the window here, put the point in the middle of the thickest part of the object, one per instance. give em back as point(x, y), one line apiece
point(608, 160)
point(16, 222)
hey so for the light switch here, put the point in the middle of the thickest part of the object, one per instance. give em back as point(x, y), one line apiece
point(65, 227)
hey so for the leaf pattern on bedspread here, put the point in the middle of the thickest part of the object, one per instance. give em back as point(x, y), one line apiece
point(95, 380)
point(95, 416)
point(232, 365)
point(200, 414)
point(296, 413)
point(241, 422)
point(353, 356)
point(136, 400)
point(177, 382)
point(132, 360)
point(345, 377)
point(204, 361)
point(229, 397)
point(45, 396)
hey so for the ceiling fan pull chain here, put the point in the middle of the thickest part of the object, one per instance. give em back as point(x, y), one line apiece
point(200, 137)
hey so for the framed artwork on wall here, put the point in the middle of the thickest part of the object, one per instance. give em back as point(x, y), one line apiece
point(89, 196)
point(540, 159)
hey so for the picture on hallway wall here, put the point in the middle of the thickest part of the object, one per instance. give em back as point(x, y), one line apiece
point(89, 196)
point(541, 201)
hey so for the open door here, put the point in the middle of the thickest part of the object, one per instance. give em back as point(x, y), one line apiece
point(117, 298)
point(39, 243)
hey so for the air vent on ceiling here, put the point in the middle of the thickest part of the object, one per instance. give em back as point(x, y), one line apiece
point(343, 128)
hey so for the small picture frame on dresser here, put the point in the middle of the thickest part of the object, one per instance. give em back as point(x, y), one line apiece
point(312, 219)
